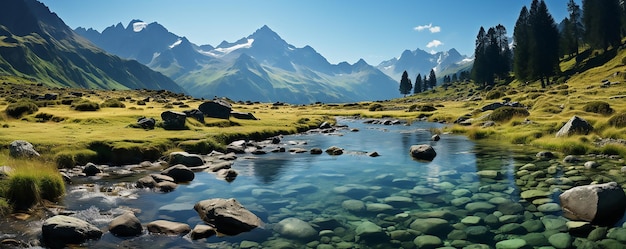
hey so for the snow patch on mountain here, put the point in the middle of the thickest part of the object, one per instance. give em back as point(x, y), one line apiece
point(219, 52)
point(139, 26)
point(178, 42)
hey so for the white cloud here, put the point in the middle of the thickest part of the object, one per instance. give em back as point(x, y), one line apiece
point(434, 44)
point(430, 27)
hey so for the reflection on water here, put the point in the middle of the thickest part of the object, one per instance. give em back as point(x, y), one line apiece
point(351, 200)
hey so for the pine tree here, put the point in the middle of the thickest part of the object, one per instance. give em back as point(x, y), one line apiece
point(405, 84)
point(481, 65)
point(602, 20)
point(544, 53)
point(454, 78)
point(418, 84)
point(521, 51)
point(576, 28)
point(432, 79)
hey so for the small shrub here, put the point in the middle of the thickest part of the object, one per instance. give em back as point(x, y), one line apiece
point(85, 105)
point(599, 107)
point(51, 187)
point(141, 102)
point(23, 191)
point(113, 103)
point(20, 108)
point(618, 120)
point(495, 94)
point(375, 107)
point(506, 113)
point(71, 158)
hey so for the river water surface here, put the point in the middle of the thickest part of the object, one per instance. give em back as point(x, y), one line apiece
point(351, 200)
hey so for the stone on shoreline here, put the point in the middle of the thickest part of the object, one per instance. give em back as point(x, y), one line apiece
point(596, 203)
point(21, 148)
point(168, 227)
point(125, 225)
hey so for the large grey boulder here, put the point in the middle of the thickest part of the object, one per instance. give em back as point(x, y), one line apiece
point(168, 227)
point(126, 225)
point(180, 173)
point(576, 125)
point(228, 216)
point(184, 158)
point(173, 120)
point(216, 109)
point(196, 114)
point(423, 152)
point(596, 203)
point(296, 229)
point(60, 230)
point(146, 123)
point(21, 148)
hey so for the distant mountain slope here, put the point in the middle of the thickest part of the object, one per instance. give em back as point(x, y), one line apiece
point(259, 67)
point(36, 44)
point(421, 62)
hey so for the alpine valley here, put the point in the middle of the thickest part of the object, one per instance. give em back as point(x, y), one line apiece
point(262, 66)
point(36, 45)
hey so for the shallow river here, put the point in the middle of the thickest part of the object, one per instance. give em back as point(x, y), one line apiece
point(352, 200)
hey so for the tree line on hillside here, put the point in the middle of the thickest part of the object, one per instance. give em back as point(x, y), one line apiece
point(425, 83)
point(538, 44)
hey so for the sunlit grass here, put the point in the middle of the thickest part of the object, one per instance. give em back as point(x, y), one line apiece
point(29, 182)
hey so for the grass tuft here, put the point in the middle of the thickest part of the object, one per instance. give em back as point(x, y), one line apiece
point(21, 107)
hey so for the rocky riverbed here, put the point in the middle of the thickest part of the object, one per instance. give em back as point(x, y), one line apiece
point(466, 197)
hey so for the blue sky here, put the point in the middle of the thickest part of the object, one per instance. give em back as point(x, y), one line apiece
point(340, 30)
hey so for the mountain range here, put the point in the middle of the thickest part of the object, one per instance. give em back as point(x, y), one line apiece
point(259, 67)
point(36, 44)
point(421, 62)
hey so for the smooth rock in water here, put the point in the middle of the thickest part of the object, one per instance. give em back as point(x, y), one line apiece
point(21, 148)
point(561, 240)
point(334, 150)
point(570, 159)
point(353, 205)
point(60, 230)
point(591, 164)
point(168, 227)
point(471, 220)
point(433, 226)
point(373, 154)
point(296, 229)
point(316, 151)
point(511, 244)
point(166, 186)
point(399, 201)
point(491, 174)
point(549, 208)
point(576, 125)
point(378, 207)
point(126, 225)
point(368, 231)
point(91, 169)
point(423, 152)
point(597, 203)
point(435, 137)
point(533, 194)
point(428, 242)
point(480, 206)
point(180, 173)
point(545, 155)
point(184, 158)
point(202, 232)
point(146, 182)
point(228, 216)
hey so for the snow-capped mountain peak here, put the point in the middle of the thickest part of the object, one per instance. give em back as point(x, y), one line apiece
point(139, 26)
